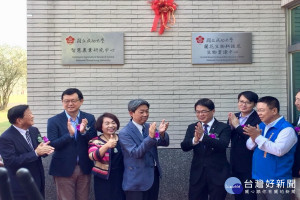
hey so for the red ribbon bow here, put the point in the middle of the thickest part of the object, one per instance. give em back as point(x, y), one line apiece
point(164, 12)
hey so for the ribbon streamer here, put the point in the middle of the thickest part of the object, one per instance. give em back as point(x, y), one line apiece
point(164, 13)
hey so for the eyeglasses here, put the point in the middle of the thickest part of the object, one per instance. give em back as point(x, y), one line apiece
point(198, 112)
point(247, 103)
point(67, 101)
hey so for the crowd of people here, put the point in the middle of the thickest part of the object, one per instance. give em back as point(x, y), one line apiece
point(264, 150)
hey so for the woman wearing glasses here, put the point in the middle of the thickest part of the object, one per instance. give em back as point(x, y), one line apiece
point(240, 156)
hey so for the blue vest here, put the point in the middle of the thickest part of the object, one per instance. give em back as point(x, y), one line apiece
point(273, 167)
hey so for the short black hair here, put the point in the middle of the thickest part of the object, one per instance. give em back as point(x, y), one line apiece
point(99, 122)
point(16, 112)
point(71, 91)
point(205, 102)
point(271, 102)
point(251, 96)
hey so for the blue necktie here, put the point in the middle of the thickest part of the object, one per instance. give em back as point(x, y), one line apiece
point(144, 132)
point(205, 129)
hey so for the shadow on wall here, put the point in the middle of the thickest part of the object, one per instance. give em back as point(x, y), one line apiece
point(173, 186)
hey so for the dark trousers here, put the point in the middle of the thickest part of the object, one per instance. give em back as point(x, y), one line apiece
point(151, 194)
point(249, 191)
point(205, 187)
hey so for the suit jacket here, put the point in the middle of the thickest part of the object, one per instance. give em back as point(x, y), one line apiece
point(68, 148)
point(240, 155)
point(210, 154)
point(296, 166)
point(139, 155)
point(16, 154)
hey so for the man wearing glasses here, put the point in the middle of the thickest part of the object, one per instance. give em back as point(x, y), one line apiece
point(69, 133)
point(240, 155)
point(208, 138)
point(274, 144)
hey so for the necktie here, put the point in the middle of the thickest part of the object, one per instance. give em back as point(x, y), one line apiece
point(29, 139)
point(205, 129)
point(144, 132)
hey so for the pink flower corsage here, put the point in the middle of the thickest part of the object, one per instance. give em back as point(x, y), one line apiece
point(244, 125)
point(45, 139)
point(78, 127)
point(297, 129)
point(212, 135)
point(157, 135)
point(42, 139)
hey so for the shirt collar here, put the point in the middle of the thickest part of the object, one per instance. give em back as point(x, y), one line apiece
point(22, 131)
point(246, 115)
point(209, 123)
point(140, 127)
point(273, 123)
point(68, 116)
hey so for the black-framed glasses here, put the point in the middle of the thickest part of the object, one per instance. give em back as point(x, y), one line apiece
point(248, 103)
point(198, 112)
point(67, 101)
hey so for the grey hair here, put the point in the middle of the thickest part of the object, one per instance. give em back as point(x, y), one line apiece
point(135, 103)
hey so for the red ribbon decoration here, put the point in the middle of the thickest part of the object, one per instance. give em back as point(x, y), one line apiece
point(164, 12)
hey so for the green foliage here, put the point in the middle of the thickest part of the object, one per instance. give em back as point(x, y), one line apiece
point(13, 66)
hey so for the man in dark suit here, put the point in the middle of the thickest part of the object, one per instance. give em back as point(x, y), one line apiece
point(296, 166)
point(139, 141)
point(209, 139)
point(69, 132)
point(240, 155)
point(20, 148)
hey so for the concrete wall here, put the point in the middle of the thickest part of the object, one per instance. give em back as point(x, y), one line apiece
point(157, 68)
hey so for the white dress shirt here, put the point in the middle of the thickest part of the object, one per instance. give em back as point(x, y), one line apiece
point(208, 129)
point(23, 133)
point(285, 140)
point(140, 127)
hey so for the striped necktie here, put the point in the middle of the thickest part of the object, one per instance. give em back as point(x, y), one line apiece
point(28, 139)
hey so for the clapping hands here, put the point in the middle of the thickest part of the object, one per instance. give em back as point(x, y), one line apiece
point(44, 148)
point(81, 127)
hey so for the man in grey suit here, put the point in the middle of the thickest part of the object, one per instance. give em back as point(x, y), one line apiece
point(139, 141)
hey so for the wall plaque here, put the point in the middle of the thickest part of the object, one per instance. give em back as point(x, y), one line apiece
point(92, 48)
point(221, 47)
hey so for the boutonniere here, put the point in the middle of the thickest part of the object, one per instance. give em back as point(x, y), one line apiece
point(42, 139)
point(157, 135)
point(244, 125)
point(212, 135)
point(78, 127)
point(297, 129)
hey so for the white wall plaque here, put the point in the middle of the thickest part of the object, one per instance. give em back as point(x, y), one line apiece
point(92, 48)
point(221, 47)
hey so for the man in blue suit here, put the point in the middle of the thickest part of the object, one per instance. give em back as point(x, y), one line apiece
point(69, 132)
point(20, 148)
point(139, 141)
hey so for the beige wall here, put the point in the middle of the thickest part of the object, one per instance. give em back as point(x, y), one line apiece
point(157, 68)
